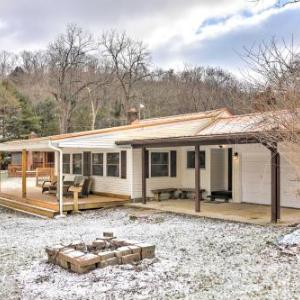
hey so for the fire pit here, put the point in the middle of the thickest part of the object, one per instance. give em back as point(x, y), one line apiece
point(105, 251)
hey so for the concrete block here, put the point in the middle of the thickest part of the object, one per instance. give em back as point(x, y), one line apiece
point(122, 251)
point(106, 255)
point(130, 258)
point(99, 244)
point(112, 261)
point(82, 269)
point(87, 259)
point(148, 250)
point(135, 249)
point(70, 256)
point(108, 234)
point(118, 242)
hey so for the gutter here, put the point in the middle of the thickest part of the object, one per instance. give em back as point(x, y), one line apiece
point(61, 200)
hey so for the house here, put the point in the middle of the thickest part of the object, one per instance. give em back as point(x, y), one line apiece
point(161, 153)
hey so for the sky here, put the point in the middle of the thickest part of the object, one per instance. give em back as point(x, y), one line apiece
point(177, 32)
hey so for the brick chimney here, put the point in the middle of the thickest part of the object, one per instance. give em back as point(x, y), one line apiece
point(132, 115)
point(32, 135)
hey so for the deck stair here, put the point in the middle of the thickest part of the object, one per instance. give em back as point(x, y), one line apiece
point(26, 207)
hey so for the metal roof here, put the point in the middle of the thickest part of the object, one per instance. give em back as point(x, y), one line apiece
point(173, 126)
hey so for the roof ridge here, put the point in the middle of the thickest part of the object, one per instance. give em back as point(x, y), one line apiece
point(218, 110)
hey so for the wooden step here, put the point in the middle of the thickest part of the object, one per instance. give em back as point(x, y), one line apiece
point(34, 202)
point(27, 208)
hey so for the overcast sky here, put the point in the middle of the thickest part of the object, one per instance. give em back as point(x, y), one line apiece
point(178, 32)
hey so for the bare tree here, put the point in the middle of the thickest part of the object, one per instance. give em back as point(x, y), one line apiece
point(102, 75)
point(68, 56)
point(129, 59)
point(277, 66)
point(8, 61)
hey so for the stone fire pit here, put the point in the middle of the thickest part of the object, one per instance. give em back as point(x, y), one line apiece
point(105, 251)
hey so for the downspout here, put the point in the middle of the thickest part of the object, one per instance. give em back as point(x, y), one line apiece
point(61, 200)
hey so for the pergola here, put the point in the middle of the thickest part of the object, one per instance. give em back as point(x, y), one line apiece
point(219, 139)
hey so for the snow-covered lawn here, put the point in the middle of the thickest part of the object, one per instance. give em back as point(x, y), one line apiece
point(196, 258)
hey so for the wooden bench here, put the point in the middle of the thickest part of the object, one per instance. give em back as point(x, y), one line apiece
point(226, 195)
point(158, 192)
point(185, 191)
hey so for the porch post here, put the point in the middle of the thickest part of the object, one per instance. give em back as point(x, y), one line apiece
point(197, 179)
point(275, 184)
point(24, 169)
point(144, 187)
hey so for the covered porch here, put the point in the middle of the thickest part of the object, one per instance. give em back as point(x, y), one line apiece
point(236, 212)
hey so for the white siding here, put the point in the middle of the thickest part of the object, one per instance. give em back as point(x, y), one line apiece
point(255, 163)
point(188, 175)
point(106, 184)
point(185, 177)
point(152, 182)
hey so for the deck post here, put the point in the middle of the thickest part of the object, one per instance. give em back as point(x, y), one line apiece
point(197, 178)
point(144, 187)
point(275, 184)
point(24, 175)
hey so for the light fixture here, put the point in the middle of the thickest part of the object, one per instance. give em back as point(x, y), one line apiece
point(235, 155)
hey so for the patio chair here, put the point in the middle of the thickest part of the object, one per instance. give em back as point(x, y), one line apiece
point(50, 186)
point(78, 181)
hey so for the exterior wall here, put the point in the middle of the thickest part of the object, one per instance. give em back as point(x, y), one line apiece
point(251, 175)
point(185, 177)
point(152, 182)
point(106, 184)
point(255, 170)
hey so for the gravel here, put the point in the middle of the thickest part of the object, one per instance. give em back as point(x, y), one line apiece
point(196, 258)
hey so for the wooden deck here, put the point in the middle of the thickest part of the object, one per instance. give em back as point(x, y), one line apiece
point(238, 212)
point(46, 204)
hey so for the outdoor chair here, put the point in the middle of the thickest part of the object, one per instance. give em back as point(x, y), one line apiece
point(49, 185)
point(77, 182)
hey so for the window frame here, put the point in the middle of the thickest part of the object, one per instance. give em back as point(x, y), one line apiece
point(168, 163)
point(93, 164)
point(113, 164)
point(69, 163)
point(81, 163)
point(201, 152)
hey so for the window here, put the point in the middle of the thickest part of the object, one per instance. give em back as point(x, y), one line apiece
point(16, 159)
point(97, 164)
point(77, 163)
point(66, 163)
point(191, 159)
point(112, 164)
point(159, 164)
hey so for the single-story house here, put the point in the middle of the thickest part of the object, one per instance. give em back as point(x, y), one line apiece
point(212, 151)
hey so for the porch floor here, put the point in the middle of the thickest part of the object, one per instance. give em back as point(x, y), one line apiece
point(11, 189)
point(239, 212)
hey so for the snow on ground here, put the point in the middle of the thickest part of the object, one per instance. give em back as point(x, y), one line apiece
point(196, 258)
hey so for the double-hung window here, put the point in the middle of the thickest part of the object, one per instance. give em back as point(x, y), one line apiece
point(159, 164)
point(66, 163)
point(97, 164)
point(113, 164)
point(77, 163)
point(191, 159)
